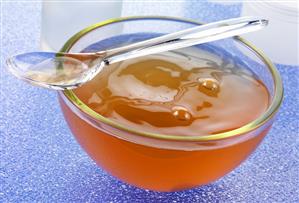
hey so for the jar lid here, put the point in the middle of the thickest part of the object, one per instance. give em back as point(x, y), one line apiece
point(285, 7)
point(286, 11)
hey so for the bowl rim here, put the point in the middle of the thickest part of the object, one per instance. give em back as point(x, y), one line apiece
point(262, 119)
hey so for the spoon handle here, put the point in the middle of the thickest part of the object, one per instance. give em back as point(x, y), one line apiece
point(188, 37)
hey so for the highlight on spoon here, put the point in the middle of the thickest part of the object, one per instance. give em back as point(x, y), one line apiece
point(49, 70)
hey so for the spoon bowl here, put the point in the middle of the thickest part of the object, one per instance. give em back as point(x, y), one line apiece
point(57, 71)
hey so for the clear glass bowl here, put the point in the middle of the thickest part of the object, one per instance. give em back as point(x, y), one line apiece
point(167, 162)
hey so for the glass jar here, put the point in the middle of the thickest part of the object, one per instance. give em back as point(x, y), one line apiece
point(62, 19)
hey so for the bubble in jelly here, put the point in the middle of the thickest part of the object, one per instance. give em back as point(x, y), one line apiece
point(209, 86)
point(205, 104)
point(181, 113)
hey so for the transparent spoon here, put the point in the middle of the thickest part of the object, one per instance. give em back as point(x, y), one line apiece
point(62, 71)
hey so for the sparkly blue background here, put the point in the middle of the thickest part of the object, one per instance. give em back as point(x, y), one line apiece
point(41, 161)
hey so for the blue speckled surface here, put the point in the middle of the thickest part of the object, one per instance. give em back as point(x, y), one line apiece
point(41, 161)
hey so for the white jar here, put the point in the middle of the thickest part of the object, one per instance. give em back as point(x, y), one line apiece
point(279, 40)
point(62, 19)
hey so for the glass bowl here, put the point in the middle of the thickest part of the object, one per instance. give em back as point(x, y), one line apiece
point(167, 162)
